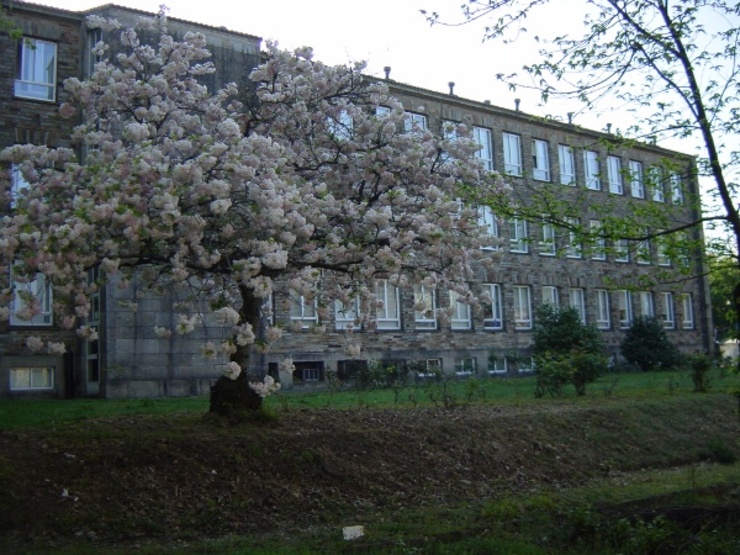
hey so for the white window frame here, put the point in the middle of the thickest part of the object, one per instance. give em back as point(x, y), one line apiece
point(567, 161)
point(662, 252)
point(548, 244)
point(461, 319)
point(550, 295)
point(522, 307)
point(94, 36)
point(38, 288)
point(687, 306)
point(414, 122)
point(656, 184)
point(598, 250)
point(388, 314)
point(647, 305)
point(642, 250)
point(676, 189)
point(36, 81)
point(497, 365)
point(637, 185)
point(624, 306)
point(482, 136)
point(518, 235)
point(591, 170)
point(341, 128)
point(603, 315)
point(35, 378)
point(18, 184)
point(621, 250)
point(494, 317)
point(512, 154)
point(614, 173)
point(540, 160)
point(488, 220)
point(573, 249)
point(577, 299)
point(382, 111)
point(346, 315)
point(303, 311)
point(426, 318)
point(466, 366)
point(669, 310)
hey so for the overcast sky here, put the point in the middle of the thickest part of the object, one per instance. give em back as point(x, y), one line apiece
point(383, 33)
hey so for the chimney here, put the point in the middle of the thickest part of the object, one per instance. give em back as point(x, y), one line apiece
point(452, 87)
point(517, 101)
point(387, 70)
point(570, 117)
point(608, 127)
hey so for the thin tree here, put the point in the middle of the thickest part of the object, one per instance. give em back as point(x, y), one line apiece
point(672, 63)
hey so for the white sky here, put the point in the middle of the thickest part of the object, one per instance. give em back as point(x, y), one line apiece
point(383, 33)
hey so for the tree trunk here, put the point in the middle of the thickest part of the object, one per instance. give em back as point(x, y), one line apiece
point(234, 398)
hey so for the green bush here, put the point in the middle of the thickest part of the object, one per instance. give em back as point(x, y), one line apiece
point(566, 351)
point(646, 345)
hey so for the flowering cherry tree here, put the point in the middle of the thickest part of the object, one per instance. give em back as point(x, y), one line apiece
point(307, 181)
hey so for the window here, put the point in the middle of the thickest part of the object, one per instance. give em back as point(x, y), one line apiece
point(567, 165)
point(497, 364)
point(414, 122)
point(669, 311)
point(32, 303)
point(647, 309)
point(687, 303)
point(425, 308)
point(308, 371)
point(522, 308)
point(18, 184)
point(591, 169)
point(487, 219)
point(614, 173)
point(427, 367)
point(303, 313)
point(346, 315)
point(548, 246)
point(485, 154)
point(382, 111)
point(92, 346)
point(94, 36)
point(656, 184)
point(494, 316)
point(662, 252)
point(512, 154)
point(31, 378)
point(37, 70)
point(624, 305)
point(340, 128)
point(621, 250)
point(676, 189)
point(466, 366)
point(578, 301)
point(603, 318)
point(388, 313)
point(642, 250)
point(541, 160)
point(461, 319)
point(573, 249)
point(518, 235)
point(550, 295)
point(598, 250)
point(636, 185)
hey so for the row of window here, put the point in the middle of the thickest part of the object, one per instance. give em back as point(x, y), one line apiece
point(615, 177)
point(519, 241)
point(520, 314)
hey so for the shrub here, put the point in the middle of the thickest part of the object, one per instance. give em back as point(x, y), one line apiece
point(566, 351)
point(700, 366)
point(646, 345)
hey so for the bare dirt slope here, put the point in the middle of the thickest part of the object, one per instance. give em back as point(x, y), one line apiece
point(185, 476)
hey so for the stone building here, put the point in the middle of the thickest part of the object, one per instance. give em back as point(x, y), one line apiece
point(539, 261)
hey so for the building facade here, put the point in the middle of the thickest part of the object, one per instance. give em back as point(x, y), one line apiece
point(597, 175)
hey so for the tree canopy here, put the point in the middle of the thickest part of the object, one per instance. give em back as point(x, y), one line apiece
point(309, 180)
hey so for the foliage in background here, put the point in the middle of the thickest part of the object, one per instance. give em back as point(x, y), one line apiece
point(724, 276)
point(646, 345)
point(566, 351)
